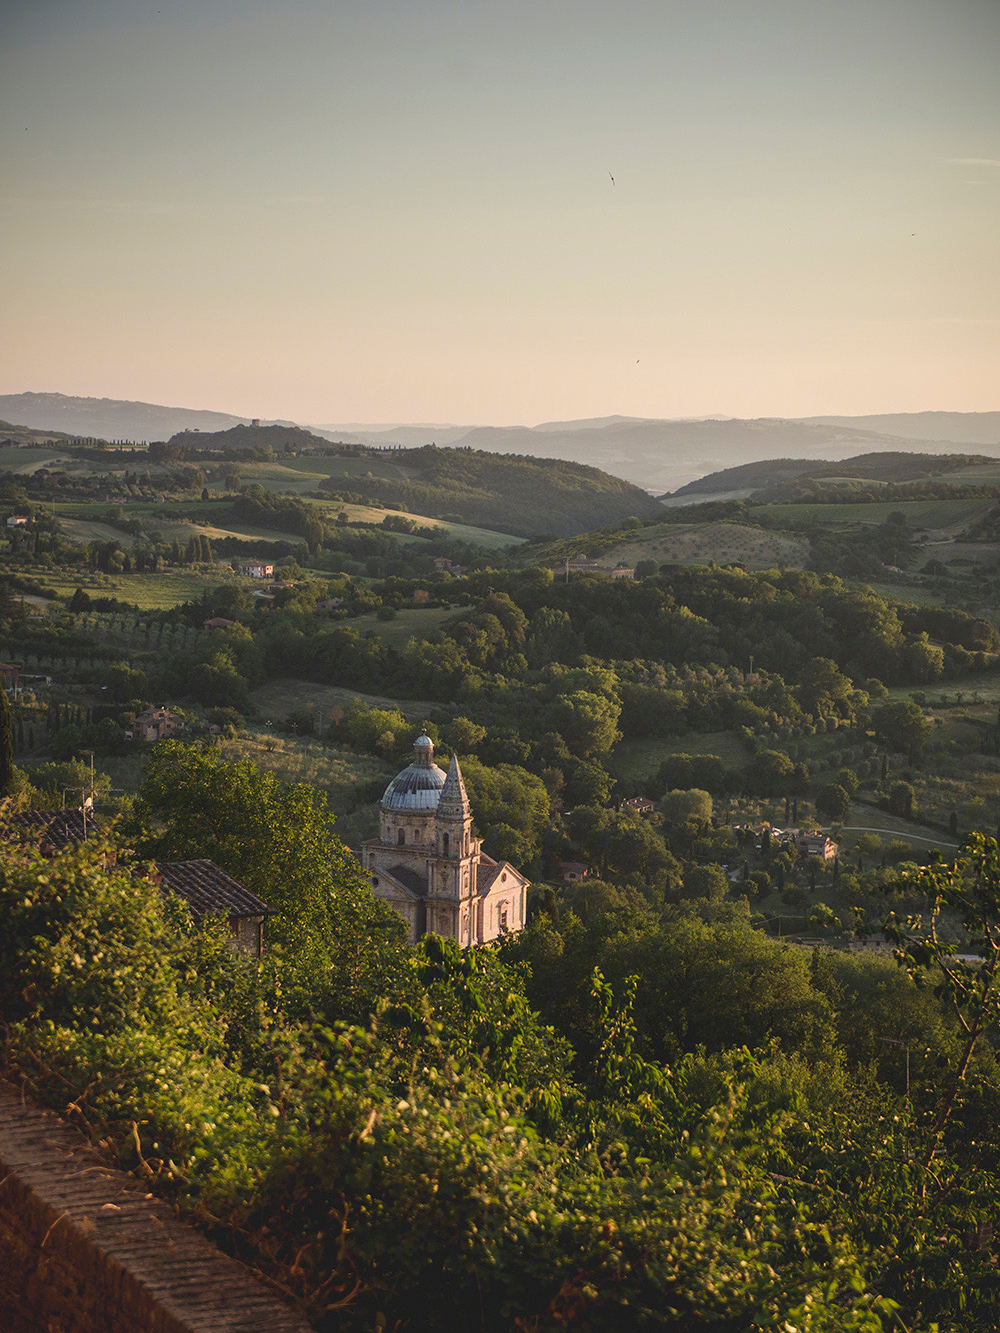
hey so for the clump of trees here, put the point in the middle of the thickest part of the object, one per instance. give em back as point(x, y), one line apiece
point(639, 1104)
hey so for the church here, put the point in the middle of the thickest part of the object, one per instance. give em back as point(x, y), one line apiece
point(428, 864)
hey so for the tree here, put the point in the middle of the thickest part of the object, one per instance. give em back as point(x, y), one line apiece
point(693, 807)
point(705, 882)
point(833, 801)
point(901, 799)
point(900, 726)
point(823, 684)
point(969, 987)
point(510, 806)
point(589, 722)
point(277, 839)
point(771, 774)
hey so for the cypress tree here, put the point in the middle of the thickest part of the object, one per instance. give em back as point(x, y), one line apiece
point(6, 747)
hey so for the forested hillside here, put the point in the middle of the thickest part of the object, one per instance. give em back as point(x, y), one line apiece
point(513, 493)
point(891, 466)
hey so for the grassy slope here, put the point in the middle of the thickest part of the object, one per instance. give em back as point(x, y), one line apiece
point(406, 624)
point(277, 698)
point(331, 769)
point(927, 515)
point(698, 543)
point(181, 518)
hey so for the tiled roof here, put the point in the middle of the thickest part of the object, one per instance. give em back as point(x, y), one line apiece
point(410, 879)
point(206, 887)
point(486, 873)
point(52, 828)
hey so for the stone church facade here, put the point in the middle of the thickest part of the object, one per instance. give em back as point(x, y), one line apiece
point(429, 865)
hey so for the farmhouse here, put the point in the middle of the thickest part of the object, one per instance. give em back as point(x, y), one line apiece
point(428, 864)
point(207, 888)
point(256, 569)
point(573, 871)
point(581, 564)
point(642, 805)
point(817, 844)
point(154, 724)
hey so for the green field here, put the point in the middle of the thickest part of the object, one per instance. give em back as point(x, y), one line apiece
point(24, 461)
point(980, 474)
point(635, 760)
point(150, 592)
point(926, 515)
point(865, 818)
point(407, 624)
point(278, 698)
point(87, 521)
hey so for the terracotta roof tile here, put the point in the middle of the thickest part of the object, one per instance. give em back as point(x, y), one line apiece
point(206, 887)
point(52, 828)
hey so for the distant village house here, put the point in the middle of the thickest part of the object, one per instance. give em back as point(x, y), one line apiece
point(642, 805)
point(581, 564)
point(155, 724)
point(574, 871)
point(256, 569)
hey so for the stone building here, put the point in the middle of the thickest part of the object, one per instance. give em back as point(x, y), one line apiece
point(430, 866)
point(207, 888)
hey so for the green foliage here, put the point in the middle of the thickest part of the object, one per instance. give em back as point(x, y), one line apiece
point(692, 807)
point(511, 809)
point(277, 839)
point(833, 802)
point(900, 726)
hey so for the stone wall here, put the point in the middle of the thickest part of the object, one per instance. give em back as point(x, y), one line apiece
point(85, 1249)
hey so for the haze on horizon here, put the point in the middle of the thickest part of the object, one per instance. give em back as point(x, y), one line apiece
point(503, 211)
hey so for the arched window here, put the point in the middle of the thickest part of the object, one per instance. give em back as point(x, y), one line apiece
point(402, 837)
point(444, 843)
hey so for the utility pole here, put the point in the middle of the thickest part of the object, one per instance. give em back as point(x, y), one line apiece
point(893, 1041)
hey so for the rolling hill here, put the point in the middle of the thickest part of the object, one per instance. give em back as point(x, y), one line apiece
point(657, 454)
point(891, 466)
point(512, 494)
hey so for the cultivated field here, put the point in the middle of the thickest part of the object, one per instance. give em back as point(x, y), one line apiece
point(725, 543)
point(944, 516)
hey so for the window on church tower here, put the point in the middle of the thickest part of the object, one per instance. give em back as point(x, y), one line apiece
point(402, 837)
point(444, 843)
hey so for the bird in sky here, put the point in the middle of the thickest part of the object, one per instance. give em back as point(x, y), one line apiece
point(612, 178)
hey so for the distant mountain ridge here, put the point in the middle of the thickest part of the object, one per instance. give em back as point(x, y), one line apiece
point(659, 455)
point(957, 427)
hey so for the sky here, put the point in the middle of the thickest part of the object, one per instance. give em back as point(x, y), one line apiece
point(502, 211)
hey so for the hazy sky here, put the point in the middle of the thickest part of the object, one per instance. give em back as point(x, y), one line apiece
point(404, 211)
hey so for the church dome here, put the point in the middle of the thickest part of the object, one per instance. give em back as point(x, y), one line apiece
point(419, 785)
